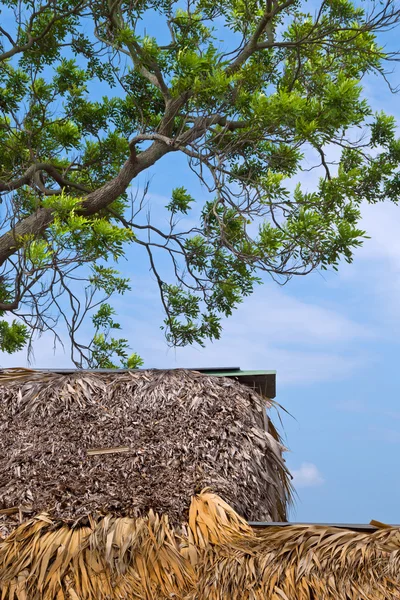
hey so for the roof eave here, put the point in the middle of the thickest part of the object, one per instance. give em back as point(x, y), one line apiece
point(263, 382)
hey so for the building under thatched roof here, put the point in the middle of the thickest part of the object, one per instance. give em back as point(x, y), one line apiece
point(80, 444)
point(86, 460)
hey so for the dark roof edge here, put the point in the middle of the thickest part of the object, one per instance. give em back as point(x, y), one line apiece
point(357, 527)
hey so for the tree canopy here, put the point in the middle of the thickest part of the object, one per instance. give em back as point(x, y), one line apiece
point(245, 90)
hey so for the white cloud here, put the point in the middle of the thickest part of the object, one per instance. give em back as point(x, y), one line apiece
point(305, 343)
point(383, 435)
point(294, 368)
point(284, 319)
point(382, 224)
point(376, 269)
point(307, 476)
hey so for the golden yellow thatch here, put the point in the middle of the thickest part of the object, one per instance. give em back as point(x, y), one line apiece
point(215, 556)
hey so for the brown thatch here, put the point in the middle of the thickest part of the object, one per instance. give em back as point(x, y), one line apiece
point(216, 556)
point(162, 435)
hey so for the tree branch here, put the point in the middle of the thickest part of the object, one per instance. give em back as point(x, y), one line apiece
point(138, 57)
point(95, 201)
point(28, 177)
point(261, 28)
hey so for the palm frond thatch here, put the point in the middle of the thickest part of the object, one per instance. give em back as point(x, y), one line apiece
point(216, 556)
point(124, 443)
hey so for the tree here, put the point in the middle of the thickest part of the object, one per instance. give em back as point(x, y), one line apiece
point(284, 83)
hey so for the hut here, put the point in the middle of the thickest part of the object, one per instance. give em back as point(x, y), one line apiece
point(140, 485)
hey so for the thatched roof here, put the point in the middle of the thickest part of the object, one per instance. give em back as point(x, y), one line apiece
point(216, 556)
point(163, 436)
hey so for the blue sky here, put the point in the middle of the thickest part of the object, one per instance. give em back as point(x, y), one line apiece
point(333, 339)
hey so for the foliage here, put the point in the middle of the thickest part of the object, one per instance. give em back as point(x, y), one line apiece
point(12, 336)
point(92, 95)
point(104, 346)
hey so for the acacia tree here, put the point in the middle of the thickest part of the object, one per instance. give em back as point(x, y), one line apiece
point(284, 83)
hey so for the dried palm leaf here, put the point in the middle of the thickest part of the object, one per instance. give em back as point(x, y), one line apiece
point(216, 556)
